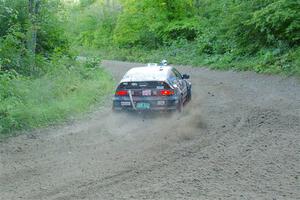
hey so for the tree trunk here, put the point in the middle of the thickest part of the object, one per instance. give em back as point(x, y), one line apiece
point(33, 8)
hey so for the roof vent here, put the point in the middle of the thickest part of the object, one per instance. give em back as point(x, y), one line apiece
point(164, 63)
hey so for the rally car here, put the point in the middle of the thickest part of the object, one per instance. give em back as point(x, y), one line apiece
point(152, 88)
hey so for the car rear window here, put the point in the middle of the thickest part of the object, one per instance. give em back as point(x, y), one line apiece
point(144, 85)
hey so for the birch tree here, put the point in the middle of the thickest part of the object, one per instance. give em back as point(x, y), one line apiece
point(33, 10)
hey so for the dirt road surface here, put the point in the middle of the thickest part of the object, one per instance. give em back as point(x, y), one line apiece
point(239, 138)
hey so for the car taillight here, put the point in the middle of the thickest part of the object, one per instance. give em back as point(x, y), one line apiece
point(166, 92)
point(122, 93)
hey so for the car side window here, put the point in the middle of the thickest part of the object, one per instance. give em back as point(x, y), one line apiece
point(172, 78)
point(177, 74)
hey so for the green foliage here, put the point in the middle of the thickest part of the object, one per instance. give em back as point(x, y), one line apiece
point(91, 24)
point(13, 14)
point(186, 28)
point(51, 37)
point(247, 26)
point(85, 3)
point(278, 21)
point(153, 23)
point(14, 28)
point(12, 51)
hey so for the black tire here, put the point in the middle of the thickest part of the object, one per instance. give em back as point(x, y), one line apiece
point(180, 106)
point(189, 95)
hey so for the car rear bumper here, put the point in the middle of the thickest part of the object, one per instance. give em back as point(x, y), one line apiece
point(155, 103)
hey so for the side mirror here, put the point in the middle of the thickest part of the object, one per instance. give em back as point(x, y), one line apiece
point(185, 76)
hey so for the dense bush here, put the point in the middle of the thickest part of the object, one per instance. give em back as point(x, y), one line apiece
point(223, 33)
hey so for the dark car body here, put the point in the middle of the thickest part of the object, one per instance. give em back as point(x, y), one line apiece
point(152, 88)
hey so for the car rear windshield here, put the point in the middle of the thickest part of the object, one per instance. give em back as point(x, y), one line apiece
point(144, 85)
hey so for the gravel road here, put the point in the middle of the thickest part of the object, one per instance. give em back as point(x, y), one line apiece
point(239, 138)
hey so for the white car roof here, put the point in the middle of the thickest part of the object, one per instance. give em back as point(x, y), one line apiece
point(151, 73)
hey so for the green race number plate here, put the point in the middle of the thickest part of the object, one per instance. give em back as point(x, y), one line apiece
point(143, 106)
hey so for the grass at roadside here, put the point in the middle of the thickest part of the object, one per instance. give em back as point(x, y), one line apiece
point(67, 90)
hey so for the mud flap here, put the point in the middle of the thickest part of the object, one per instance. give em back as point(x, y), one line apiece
point(131, 100)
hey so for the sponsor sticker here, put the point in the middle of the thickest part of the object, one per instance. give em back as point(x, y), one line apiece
point(146, 92)
point(161, 103)
point(125, 103)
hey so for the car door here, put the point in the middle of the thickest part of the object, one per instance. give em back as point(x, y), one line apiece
point(181, 83)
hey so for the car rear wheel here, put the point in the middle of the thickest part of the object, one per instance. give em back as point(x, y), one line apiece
point(189, 95)
point(180, 106)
